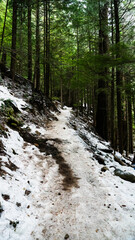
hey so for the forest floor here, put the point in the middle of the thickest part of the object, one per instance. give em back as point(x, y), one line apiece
point(58, 178)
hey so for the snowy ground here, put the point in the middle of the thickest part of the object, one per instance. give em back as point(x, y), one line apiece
point(36, 205)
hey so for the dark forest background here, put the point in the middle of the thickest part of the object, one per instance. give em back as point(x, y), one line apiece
point(78, 52)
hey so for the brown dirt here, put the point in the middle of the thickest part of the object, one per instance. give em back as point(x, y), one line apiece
point(44, 146)
point(11, 166)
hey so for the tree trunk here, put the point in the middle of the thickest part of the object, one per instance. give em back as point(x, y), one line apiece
point(127, 132)
point(118, 80)
point(61, 91)
point(13, 48)
point(47, 47)
point(101, 115)
point(29, 42)
point(20, 39)
point(2, 38)
point(77, 69)
point(112, 86)
point(134, 107)
point(37, 68)
point(44, 61)
point(130, 122)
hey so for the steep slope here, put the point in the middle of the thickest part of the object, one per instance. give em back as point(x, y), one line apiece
point(51, 183)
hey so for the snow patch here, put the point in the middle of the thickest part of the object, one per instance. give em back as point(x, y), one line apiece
point(5, 94)
point(102, 207)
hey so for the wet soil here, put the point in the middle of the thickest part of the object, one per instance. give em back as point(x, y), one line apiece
point(69, 179)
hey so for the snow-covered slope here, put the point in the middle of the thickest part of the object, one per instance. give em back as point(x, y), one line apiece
point(54, 189)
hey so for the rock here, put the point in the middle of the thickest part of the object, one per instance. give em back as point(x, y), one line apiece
point(18, 204)
point(5, 197)
point(123, 206)
point(14, 224)
point(14, 152)
point(100, 159)
point(14, 122)
point(66, 236)
point(38, 133)
point(104, 169)
point(11, 166)
point(106, 150)
point(125, 175)
point(119, 160)
point(27, 192)
point(10, 104)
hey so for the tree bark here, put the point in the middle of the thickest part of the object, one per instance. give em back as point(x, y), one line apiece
point(13, 48)
point(130, 122)
point(127, 131)
point(61, 86)
point(20, 39)
point(112, 86)
point(101, 115)
point(118, 80)
point(44, 61)
point(37, 68)
point(47, 47)
point(29, 42)
point(3, 31)
point(134, 107)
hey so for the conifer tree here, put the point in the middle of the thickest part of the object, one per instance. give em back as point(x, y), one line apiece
point(37, 61)
point(14, 33)
point(29, 42)
point(101, 117)
point(118, 79)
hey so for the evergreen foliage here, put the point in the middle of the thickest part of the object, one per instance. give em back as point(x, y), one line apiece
point(79, 51)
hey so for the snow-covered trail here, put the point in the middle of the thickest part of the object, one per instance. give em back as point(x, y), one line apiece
point(97, 206)
point(97, 209)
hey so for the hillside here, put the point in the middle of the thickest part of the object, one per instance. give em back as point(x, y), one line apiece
point(58, 179)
